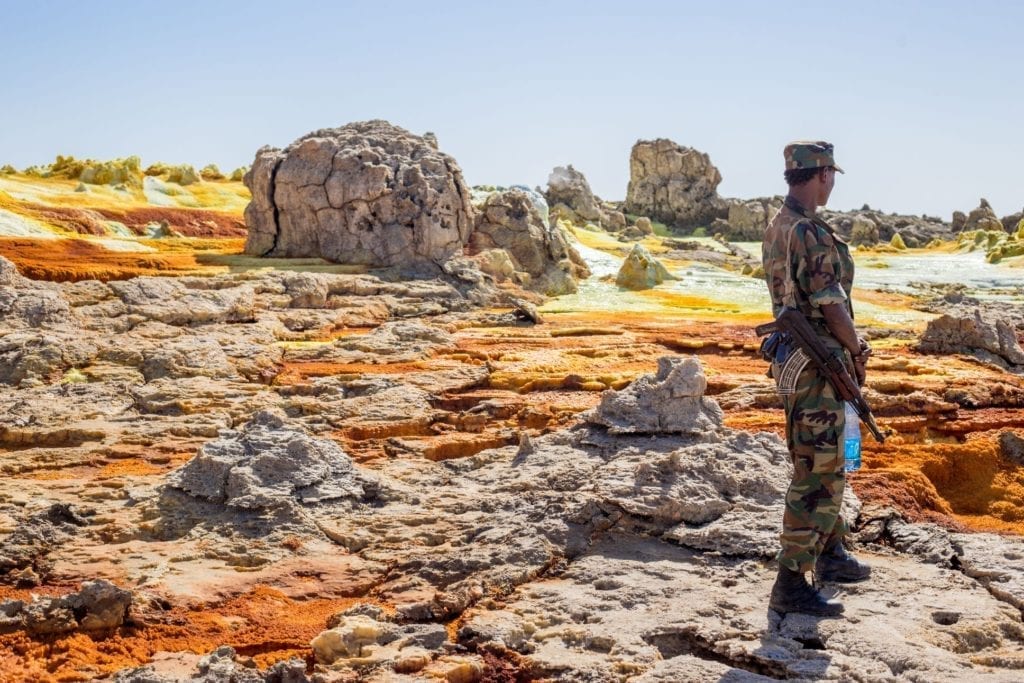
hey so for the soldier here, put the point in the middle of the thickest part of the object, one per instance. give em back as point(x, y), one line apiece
point(808, 267)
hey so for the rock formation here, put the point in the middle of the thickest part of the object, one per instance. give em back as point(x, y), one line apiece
point(671, 401)
point(640, 270)
point(367, 193)
point(1012, 222)
point(267, 465)
point(982, 218)
point(974, 336)
point(673, 184)
point(23, 554)
point(223, 665)
point(99, 606)
point(572, 200)
point(747, 220)
point(569, 187)
point(868, 227)
point(540, 256)
point(364, 639)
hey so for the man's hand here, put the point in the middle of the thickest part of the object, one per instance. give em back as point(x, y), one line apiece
point(860, 368)
point(860, 361)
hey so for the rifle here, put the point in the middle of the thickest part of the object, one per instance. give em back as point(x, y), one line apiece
point(792, 322)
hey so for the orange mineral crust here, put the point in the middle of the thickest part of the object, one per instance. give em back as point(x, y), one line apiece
point(72, 259)
point(968, 480)
point(263, 624)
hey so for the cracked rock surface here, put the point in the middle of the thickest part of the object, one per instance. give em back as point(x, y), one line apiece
point(425, 481)
point(367, 193)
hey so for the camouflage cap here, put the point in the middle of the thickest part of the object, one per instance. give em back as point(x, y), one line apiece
point(808, 154)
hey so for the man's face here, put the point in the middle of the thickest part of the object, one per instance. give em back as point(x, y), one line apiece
point(826, 181)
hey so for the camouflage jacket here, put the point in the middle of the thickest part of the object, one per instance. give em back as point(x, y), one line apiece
point(818, 258)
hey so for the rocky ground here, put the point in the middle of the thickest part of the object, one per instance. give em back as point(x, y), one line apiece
point(290, 469)
point(342, 478)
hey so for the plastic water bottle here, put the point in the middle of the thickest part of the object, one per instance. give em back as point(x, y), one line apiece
point(851, 439)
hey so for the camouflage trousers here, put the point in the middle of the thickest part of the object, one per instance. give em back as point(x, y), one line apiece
point(814, 430)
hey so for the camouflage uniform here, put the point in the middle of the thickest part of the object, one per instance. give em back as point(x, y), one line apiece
point(821, 271)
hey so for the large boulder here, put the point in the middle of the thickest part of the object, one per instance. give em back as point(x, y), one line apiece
point(568, 186)
point(673, 184)
point(545, 260)
point(640, 270)
point(368, 193)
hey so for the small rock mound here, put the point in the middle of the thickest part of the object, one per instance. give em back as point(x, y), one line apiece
point(368, 193)
point(184, 174)
point(98, 606)
point(673, 184)
point(994, 342)
point(365, 640)
point(672, 401)
point(23, 553)
point(223, 665)
point(268, 464)
point(641, 270)
point(127, 172)
point(211, 172)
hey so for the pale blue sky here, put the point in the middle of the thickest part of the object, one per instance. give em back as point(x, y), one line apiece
point(924, 100)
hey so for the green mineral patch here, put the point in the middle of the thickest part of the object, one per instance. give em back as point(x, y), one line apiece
point(211, 172)
point(74, 376)
point(183, 174)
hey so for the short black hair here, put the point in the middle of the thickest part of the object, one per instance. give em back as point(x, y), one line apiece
point(800, 176)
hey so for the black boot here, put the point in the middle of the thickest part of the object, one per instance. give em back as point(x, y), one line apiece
point(835, 564)
point(792, 593)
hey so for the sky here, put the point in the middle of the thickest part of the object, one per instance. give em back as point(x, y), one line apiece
point(923, 100)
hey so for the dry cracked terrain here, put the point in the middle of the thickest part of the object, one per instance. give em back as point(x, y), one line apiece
point(342, 478)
